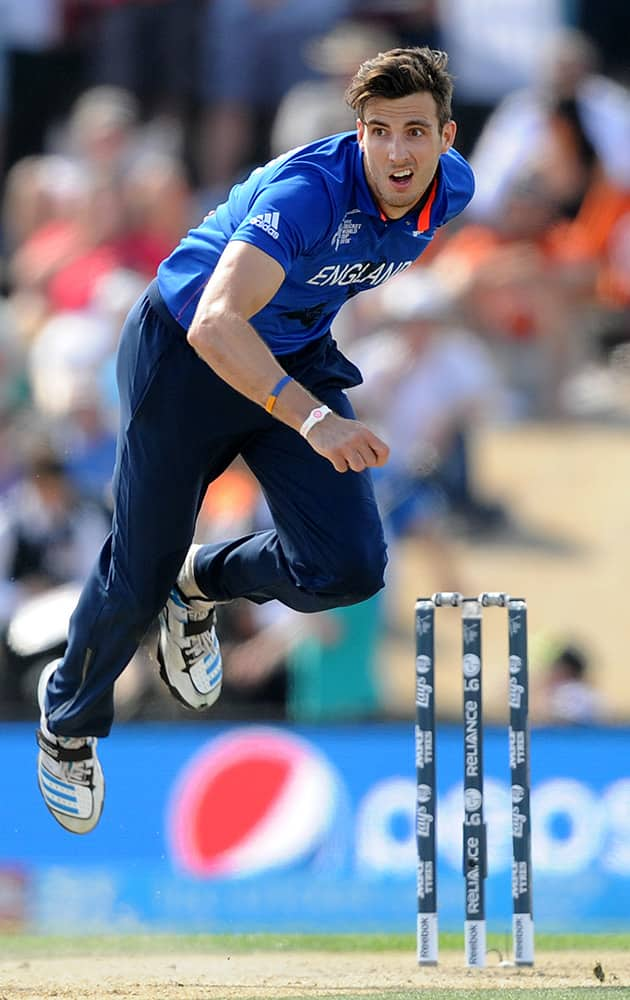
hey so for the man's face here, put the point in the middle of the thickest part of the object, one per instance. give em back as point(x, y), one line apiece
point(402, 142)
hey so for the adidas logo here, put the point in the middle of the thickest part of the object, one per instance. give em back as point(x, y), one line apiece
point(268, 223)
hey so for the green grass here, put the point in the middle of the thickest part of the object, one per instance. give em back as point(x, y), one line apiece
point(611, 992)
point(23, 945)
point(423, 993)
point(18, 945)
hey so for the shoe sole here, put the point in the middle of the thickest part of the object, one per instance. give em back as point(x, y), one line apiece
point(176, 694)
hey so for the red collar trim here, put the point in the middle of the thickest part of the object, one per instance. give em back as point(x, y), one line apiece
point(424, 218)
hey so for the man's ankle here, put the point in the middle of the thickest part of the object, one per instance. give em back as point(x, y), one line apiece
point(186, 580)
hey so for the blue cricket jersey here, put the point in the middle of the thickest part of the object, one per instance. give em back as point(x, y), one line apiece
point(312, 211)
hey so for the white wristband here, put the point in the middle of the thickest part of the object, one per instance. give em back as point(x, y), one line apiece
point(313, 418)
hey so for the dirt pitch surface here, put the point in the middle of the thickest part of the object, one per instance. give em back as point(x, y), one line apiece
point(268, 976)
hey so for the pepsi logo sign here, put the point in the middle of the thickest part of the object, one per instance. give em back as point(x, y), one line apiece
point(251, 801)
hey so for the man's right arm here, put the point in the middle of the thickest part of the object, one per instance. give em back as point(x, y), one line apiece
point(243, 282)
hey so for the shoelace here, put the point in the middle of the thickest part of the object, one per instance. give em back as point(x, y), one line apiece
point(198, 610)
point(79, 771)
point(198, 645)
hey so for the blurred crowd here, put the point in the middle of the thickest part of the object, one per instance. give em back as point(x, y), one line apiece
point(122, 122)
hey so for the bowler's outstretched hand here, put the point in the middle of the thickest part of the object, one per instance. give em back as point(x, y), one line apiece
point(348, 444)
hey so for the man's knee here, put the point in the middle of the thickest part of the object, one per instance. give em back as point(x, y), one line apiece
point(358, 570)
point(368, 570)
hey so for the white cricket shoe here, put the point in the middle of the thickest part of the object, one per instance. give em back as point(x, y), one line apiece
point(69, 774)
point(188, 650)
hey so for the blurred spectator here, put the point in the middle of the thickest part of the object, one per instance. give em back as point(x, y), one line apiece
point(431, 381)
point(566, 695)
point(523, 296)
point(48, 533)
point(37, 631)
point(106, 134)
point(307, 668)
point(255, 641)
point(45, 70)
point(333, 665)
point(254, 52)
point(571, 121)
point(414, 22)
point(493, 50)
point(60, 265)
point(150, 49)
point(70, 365)
point(316, 107)
point(112, 197)
point(103, 242)
point(40, 191)
point(43, 236)
point(102, 130)
point(596, 244)
point(158, 199)
point(64, 360)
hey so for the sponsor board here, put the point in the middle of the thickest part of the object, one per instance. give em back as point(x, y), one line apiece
point(245, 828)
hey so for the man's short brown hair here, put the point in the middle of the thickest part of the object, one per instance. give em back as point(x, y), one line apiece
point(400, 73)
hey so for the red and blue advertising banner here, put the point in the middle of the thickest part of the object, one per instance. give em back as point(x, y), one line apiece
point(211, 828)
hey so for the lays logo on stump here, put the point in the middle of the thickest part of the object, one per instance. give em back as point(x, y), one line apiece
point(252, 801)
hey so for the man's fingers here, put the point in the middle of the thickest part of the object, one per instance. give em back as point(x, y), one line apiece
point(348, 444)
point(366, 450)
point(380, 450)
point(346, 460)
point(364, 458)
point(356, 461)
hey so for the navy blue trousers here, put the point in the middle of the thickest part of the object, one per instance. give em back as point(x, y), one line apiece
point(180, 427)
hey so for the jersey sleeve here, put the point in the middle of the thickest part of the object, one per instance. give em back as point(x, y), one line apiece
point(459, 183)
point(288, 217)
